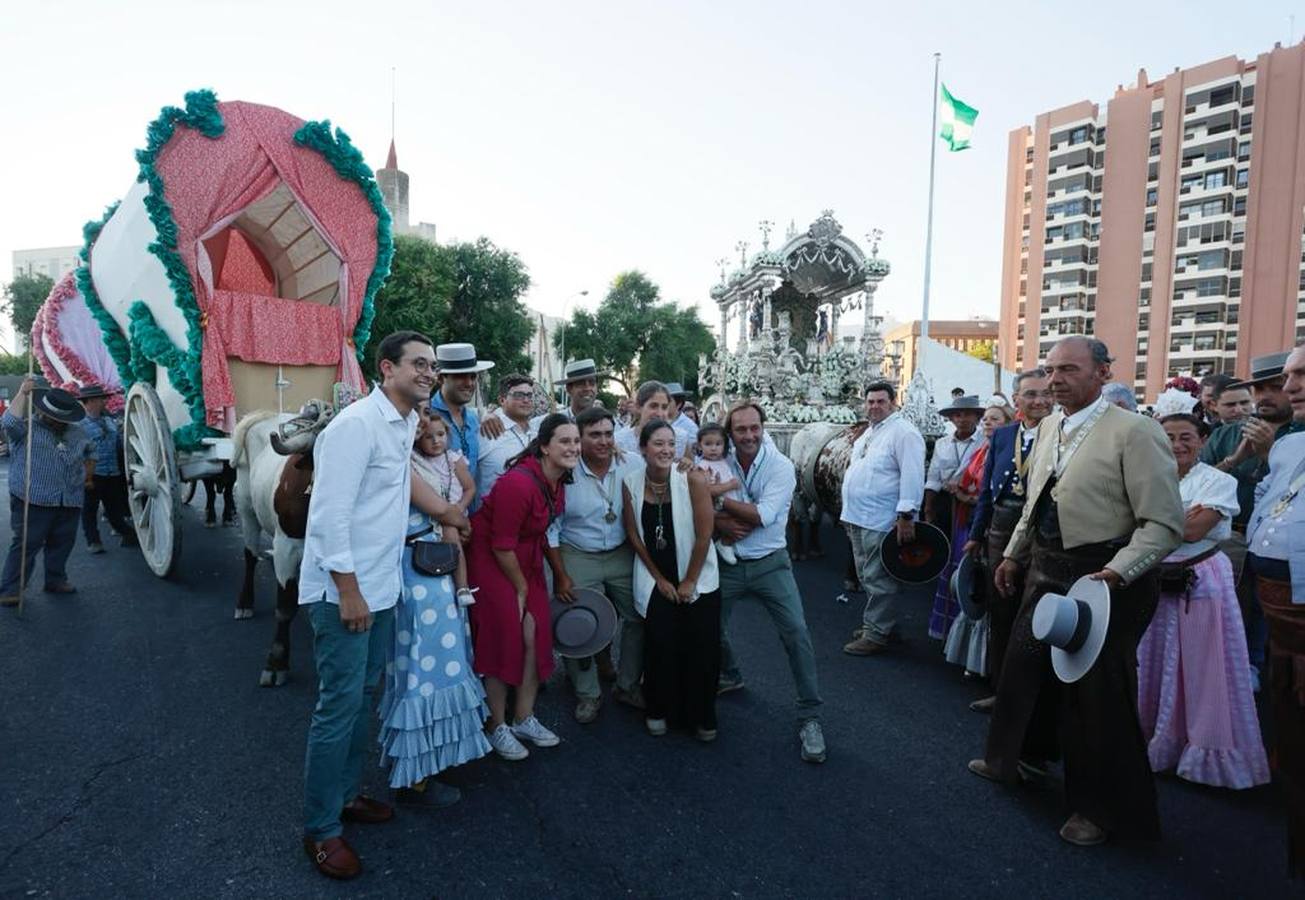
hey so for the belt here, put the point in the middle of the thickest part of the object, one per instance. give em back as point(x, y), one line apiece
point(619, 546)
point(1010, 501)
point(758, 558)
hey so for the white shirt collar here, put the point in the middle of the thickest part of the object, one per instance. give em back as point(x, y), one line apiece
point(1070, 422)
point(508, 423)
point(387, 408)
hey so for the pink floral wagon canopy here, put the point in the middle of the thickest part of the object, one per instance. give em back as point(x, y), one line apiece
point(244, 260)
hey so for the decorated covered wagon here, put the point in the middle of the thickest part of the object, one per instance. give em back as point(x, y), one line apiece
point(68, 346)
point(237, 274)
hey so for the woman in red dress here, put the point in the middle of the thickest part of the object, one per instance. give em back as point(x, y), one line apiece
point(510, 619)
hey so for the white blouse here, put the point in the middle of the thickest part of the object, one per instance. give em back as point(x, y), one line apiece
point(1206, 486)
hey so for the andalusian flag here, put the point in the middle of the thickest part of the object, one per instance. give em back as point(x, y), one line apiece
point(957, 121)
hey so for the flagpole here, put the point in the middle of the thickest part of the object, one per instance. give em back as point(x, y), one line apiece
point(928, 234)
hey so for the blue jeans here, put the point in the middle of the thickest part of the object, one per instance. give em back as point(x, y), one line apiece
point(770, 580)
point(52, 528)
point(349, 666)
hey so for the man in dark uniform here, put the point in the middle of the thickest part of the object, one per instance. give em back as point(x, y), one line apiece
point(1000, 504)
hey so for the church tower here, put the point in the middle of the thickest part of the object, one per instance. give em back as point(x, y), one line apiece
point(393, 183)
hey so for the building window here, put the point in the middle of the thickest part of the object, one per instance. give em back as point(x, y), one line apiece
point(1155, 147)
point(1248, 95)
point(1243, 177)
point(1146, 271)
point(1221, 95)
point(1247, 122)
point(1140, 372)
point(1243, 151)
point(1215, 179)
point(1211, 259)
point(1210, 287)
point(1078, 135)
point(1151, 196)
point(1239, 206)
point(1213, 207)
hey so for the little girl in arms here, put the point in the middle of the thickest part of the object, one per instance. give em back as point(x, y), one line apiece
point(446, 471)
point(712, 445)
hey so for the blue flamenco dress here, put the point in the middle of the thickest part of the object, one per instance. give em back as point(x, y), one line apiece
point(433, 711)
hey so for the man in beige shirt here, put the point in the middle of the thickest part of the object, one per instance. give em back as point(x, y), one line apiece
point(1102, 501)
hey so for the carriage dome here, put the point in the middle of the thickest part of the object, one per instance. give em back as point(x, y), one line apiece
point(239, 271)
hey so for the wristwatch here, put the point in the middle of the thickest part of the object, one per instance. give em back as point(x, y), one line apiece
point(719, 503)
point(906, 516)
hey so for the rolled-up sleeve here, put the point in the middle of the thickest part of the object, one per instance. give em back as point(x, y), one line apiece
point(910, 462)
point(934, 479)
point(340, 459)
point(776, 495)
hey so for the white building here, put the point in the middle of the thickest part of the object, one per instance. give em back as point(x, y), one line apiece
point(54, 262)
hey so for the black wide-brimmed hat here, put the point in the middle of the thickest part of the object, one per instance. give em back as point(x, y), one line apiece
point(58, 404)
point(1263, 368)
point(582, 628)
point(579, 370)
point(95, 392)
point(919, 561)
point(969, 588)
point(968, 403)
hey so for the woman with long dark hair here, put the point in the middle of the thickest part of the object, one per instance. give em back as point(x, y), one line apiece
point(510, 620)
point(669, 520)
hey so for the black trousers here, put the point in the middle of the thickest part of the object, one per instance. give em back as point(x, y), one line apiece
point(110, 490)
point(681, 660)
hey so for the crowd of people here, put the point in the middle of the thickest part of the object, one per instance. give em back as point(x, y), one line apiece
point(441, 547)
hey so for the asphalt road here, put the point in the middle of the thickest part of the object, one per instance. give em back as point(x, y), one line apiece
point(141, 759)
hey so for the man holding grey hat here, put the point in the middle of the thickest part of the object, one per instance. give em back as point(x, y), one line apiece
point(1102, 503)
point(62, 462)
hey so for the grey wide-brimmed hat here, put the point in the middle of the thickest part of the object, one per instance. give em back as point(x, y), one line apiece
point(582, 628)
point(968, 588)
point(579, 370)
point(1263, 368)
point(459, 359)
point(57, 404)
point(968, 403)
point(1074, 625)
point(676, 390)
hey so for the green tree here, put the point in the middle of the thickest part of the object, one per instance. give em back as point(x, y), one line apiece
point(23, 297)
point(15, 364)
point(461, 292)
point(636, 336)
point(983, 350)
point(415, 296)
point(485, 308)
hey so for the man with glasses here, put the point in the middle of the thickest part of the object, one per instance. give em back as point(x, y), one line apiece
point(516, 401)
point(587, 549)
point(1000, 503)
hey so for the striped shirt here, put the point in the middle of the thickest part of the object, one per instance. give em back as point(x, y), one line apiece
point(105, 435)
point(58, 461)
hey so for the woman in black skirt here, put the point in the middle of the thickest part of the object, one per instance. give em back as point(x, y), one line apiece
point(669, 520)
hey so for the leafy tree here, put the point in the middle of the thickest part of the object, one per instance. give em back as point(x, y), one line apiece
point(23, 297)
point(461, 292)
point(485, 308)
point(983, 350)
point(636, 337)
point(14, 364)
point(415, 296)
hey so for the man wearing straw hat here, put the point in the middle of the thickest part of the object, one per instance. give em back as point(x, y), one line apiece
point(45, 501)
point(580, 380)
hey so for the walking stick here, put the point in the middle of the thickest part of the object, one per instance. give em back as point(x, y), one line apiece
point(27, 492)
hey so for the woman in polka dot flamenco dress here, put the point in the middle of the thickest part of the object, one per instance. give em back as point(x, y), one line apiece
point(433, 712)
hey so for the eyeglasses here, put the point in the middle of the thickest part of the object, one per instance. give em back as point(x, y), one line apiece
point(421, 364)
point(520, 395)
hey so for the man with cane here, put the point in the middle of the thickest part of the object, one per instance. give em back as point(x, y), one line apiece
point(47, 484)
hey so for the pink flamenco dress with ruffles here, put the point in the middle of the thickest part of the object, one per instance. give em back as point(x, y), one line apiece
point(1195, 701)
point(515, 517)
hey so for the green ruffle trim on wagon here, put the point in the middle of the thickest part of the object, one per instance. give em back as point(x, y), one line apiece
point(149, 345)
point(151, 348)
point(114, 339)
point(349, 164)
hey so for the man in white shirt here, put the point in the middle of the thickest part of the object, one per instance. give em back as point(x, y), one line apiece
point(764, 571)
point(951, 454)
point(580, 379)
point(516, 400)
point(881, 491)
point(350, 580)
point(686, 430)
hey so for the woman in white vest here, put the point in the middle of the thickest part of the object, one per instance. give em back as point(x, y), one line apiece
point(669, 520)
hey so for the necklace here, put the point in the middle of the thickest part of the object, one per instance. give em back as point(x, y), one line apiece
point(751, 475)
point(607, 494)
point(659, 492)
point(447, 491)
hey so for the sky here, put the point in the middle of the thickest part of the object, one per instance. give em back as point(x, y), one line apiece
point(596, 137)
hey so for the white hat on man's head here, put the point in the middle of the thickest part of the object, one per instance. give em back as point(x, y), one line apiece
point(459, 359)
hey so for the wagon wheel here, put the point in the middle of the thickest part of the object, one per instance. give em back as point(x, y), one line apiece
point(154, 487)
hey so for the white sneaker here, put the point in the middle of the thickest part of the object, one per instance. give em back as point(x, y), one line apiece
point(656, 727)
point(466, 596)
point(534, 731)
point(506, 745)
